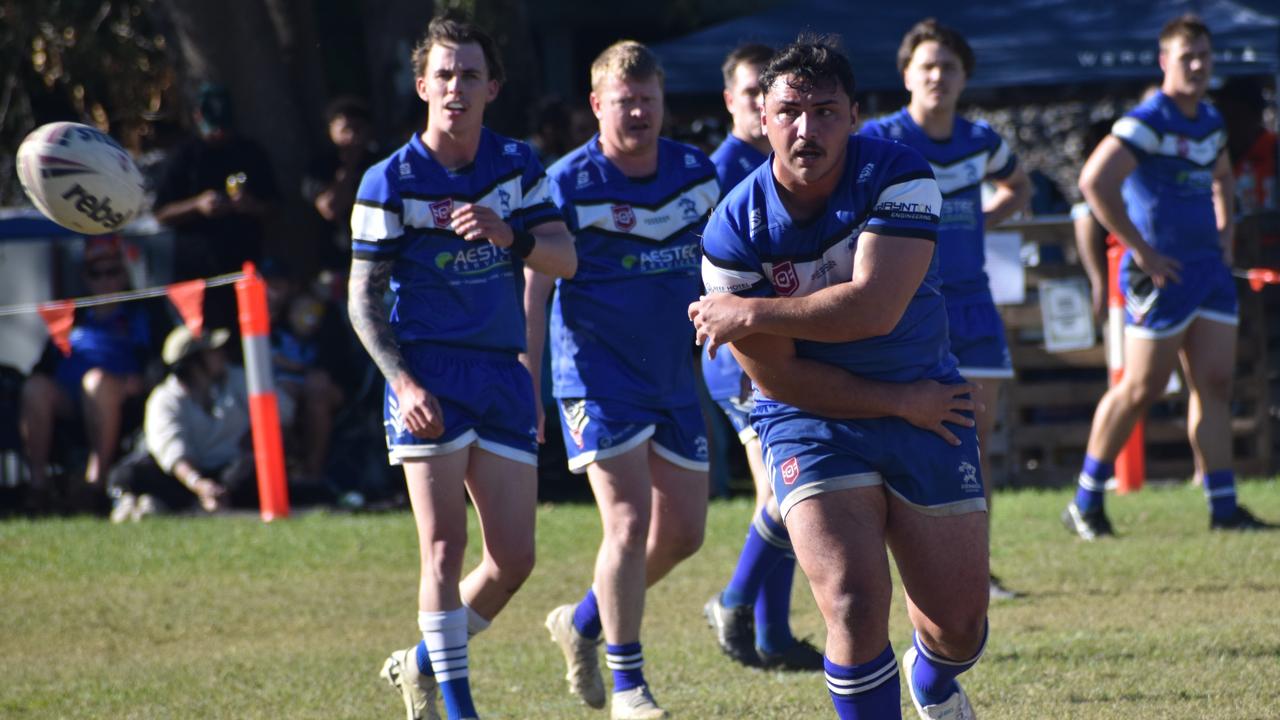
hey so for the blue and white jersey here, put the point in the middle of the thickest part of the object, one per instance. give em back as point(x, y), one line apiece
point(1170, 194)
point(753, 248)
point(449, 291)
point(620, 327)
point(734, 160)
point(961, 163)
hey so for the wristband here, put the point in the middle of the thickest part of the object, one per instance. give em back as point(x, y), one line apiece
point(522, 244)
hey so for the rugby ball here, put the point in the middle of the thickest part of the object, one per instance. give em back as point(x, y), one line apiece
point(80, 178)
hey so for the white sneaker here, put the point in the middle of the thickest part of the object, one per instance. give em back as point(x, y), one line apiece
point(580, 655)
point(146, 505)
point(418, 691)
point(635, 704)
point(124, 508)
point(956, 707)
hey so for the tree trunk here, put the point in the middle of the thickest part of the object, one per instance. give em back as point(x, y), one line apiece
point(391, 30)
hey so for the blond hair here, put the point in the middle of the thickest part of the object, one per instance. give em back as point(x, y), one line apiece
point(626, 59)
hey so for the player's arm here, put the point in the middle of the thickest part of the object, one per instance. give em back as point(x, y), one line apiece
point(887, 270)
point(1091, 242)
point(537, 291)
point(1224, 193)
point(1100, 181)
point(1013, 193)
point(829, 391)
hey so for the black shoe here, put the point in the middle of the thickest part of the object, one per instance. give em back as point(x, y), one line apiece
point(802, 656)
point(1088, 525)
point(997, 591)
point(1242, 520)
point(735, 630)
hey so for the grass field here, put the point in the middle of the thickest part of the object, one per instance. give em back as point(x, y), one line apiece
point(231, 618)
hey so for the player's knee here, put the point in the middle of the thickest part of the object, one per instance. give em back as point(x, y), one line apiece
point(442, 558)
point(512, 566)
point(845, 610)
point(682, 541)
point(1142, 393)
point(627, 530)
point(960, 629)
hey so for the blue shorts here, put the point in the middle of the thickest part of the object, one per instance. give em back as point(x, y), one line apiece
point(600, 429)
point(739, 414)
point(487, 399)
point(807, 455)
point(977, 339)
point(1207, 290)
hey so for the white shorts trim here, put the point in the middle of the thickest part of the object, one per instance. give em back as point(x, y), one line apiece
point(959, 507)
point(826, 485)
point(679, 460)
point(1220, 317)
point(994, 373)
point(578, 463)
point(1210, 315)
point(397, 454)
point(506, 451)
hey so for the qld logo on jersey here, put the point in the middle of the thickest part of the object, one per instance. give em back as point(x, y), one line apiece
point(784, 278)
point(790, 471)
point(624, 218)
point(442, 212)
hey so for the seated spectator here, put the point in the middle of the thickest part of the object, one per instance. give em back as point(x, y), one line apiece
point(198, 448)
point(309, 352)
point(331, 181)
point(215, 192)
point(111, 348)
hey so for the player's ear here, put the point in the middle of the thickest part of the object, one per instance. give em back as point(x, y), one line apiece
point(594, 100)
point(420, 84)
point(494, 87)
point(728, 100)
point(853, 115)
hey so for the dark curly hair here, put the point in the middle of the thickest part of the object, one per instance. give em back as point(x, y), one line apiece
point(811, 61)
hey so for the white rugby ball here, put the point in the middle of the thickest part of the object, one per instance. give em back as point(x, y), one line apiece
point(80, 178)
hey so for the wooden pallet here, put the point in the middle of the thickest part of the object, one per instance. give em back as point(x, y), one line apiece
point(1046, 411)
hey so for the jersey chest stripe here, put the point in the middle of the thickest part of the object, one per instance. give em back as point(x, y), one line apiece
point(637, 237)
point(479, 195)
point(831, 241)
point(608, 202)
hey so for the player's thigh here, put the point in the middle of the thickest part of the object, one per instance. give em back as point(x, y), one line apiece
point(504, 492)
point(1149, 360)
point(988, 397)
point(838, 539)
point(437, 495)
point(943, 561)
point(1209, 352)
point(679, 500)
point(759, 475)
point(622, 486)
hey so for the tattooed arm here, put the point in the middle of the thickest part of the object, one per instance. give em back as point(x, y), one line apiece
point(366, 289)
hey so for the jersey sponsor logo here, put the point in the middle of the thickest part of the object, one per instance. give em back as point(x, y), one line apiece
point(865, 173)
point(476, 260)
point(406, 170)
point(920, 212)
point(442, 212)
point(624, 218)
point(969, 478)
point(784, 278)
point(661, 260)
point(822, 270)
point(960, 213)
point(790, 469)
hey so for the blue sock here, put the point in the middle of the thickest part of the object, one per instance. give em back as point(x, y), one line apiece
point(445, 635)
point(1220, 489)
point(586, 616)
point(934, 677)
point(1093, 483)
point(767, 543)
point(773, 601)
point(865, 692)
point(424, 658)
point(627, 663)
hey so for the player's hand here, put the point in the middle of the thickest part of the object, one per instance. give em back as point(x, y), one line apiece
point(419, 410)
point(211, 203)
point(1098, 300)
point(930, 405)
point(209, 493)
point(477, 222)
point(1162, 268)
point(720, 319)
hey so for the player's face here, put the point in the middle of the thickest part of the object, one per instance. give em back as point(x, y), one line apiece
point(1187, 66)
point(934, 77)
point(808, 127)
point(456, 87)
point(629, 113)
point(744, 101)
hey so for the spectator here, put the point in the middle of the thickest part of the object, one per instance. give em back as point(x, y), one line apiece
point(308, 354)
point(111, 346)
point(552, 134)
point(197, 434)
point(331, 181)
point(1250, 145)
point(215, 192)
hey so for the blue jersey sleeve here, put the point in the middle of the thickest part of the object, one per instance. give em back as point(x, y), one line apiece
point(873, 128)
point(730, 263)
point(377, 218)
point(537, 207)
point(1001, 162)
point(908, 201)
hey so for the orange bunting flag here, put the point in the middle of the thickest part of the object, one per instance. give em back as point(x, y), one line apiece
point(59, 316)
point(188, 297)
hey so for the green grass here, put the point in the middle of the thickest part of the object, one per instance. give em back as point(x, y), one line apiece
point(231, 618)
